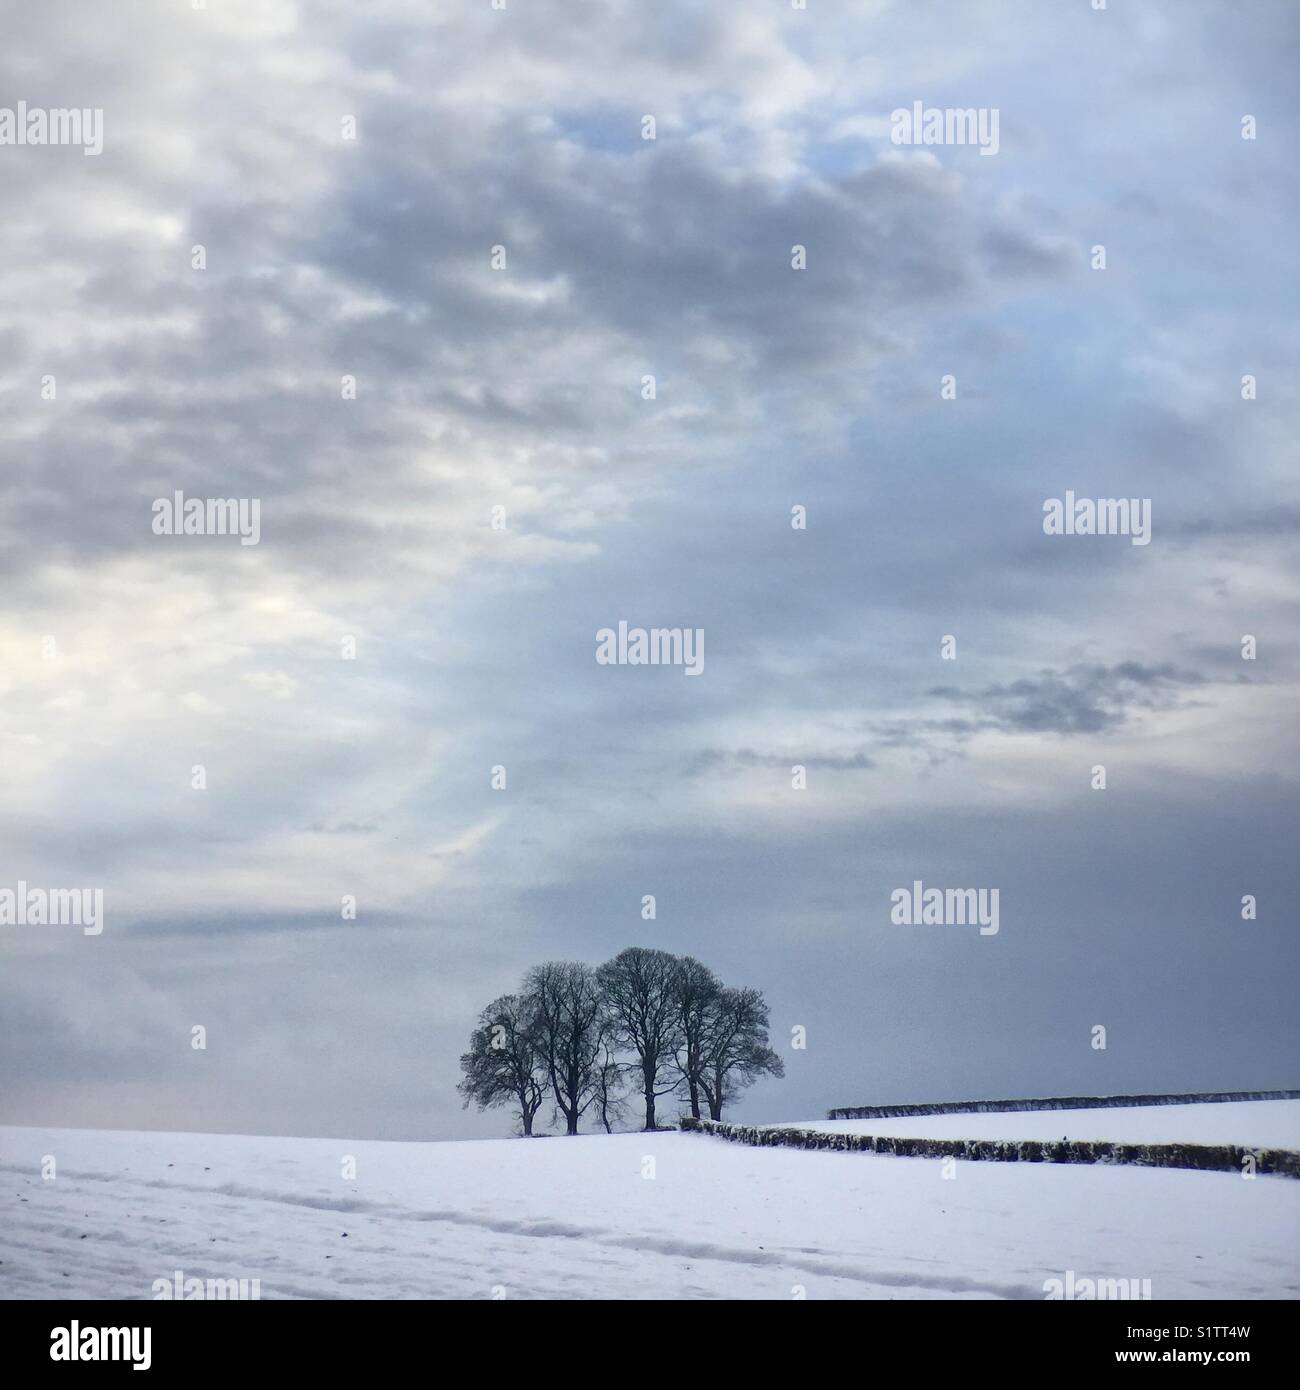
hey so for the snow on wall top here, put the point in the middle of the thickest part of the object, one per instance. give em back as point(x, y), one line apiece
point(978, 1107)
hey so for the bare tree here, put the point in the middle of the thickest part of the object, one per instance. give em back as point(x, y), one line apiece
point(640, 1001)
point(736, 1051)
point(696, 990)
point(503, 1066)
point(566, 1005)
point(610, 1101)
point(581, 1034)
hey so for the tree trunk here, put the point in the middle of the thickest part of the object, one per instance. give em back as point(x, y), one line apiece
point(648, 1088)
point(695, 1097)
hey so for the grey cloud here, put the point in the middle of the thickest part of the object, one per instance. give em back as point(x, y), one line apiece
point(1082, 699)
point(712, 759)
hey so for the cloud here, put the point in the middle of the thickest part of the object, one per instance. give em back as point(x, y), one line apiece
point(1082, 699)
point(128, 659)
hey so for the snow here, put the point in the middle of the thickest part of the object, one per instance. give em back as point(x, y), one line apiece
point(1256, 1123)
point(576, 1218)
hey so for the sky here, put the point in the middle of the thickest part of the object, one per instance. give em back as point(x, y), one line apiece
point(348, 171)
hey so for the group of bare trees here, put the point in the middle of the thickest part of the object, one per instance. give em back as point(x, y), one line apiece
point(645, 1024)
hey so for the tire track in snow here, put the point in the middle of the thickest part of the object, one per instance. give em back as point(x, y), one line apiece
point(545, 1228)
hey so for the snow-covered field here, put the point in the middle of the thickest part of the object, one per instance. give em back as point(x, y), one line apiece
point(591, 1218)
point(1257, 1123)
